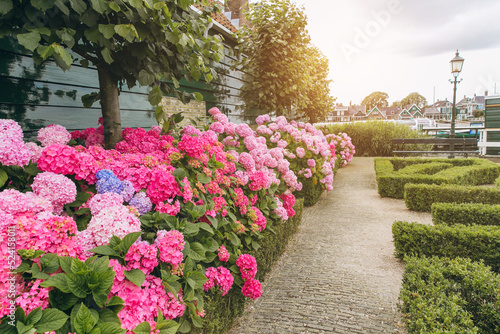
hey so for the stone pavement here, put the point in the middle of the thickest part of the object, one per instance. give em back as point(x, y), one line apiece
point(339, 274)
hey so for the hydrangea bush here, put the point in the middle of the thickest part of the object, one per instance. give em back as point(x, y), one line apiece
point(130, 239)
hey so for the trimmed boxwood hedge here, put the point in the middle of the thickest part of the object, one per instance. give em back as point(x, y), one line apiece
point(392, 173)
point(475, 242)
point(427, 169)
point(222, 311)
point(441, 295)
point(465, 213)
point(420, 197)
point(310, 192)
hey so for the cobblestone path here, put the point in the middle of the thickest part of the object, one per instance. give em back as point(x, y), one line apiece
point(339, 274)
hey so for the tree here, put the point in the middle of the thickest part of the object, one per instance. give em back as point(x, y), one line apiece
point(319, 102)
point(414, 98)
point(396, 104)
point(375, 99)
point(152, 42)
point(281, 64)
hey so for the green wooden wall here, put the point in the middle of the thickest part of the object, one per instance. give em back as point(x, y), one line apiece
point(36, 96)
point(492, 121)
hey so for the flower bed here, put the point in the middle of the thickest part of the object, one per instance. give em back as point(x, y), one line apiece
point(134, 239)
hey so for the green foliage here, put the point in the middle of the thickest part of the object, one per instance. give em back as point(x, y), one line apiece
point(78, 299)
point(475, 242)
point(414, 98)
point(465, 214)
point(373, 138)
point(420, 197)
point(375, 99)
point(450, 296)
point(285, 71)
point(154, 43)
point(222, 311)
point(310, 192)
point(393, 174)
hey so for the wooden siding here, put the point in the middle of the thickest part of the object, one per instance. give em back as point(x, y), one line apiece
point(491, 121)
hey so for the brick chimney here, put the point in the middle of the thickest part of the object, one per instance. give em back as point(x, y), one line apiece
point(237, 9)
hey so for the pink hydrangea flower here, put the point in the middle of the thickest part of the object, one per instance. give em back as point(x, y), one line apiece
point(143, 256)
point(252, 288)
point(311, 163)
point(115, 220)
point(53, 134)
point(223, 254)
point(170, 244)
point(262, 118)
point(101, 201)
point(247, 265)
point(58, 189)
point(171, 209)
point(220, 277)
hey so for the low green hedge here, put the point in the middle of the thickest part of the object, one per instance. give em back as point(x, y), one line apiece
point(426, 169)
point(391, 181)
point(474, 242)
point(420, 197)
point(222, 311)
point(310, 192)
point(465, 213)
point(450, 296)
point(497, 182)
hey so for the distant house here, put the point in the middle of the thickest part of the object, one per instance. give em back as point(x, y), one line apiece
point(415, 111)
point(405, 114)
point(444, 108)
point(375, 113)
point(433, 113)
point(357, 113)
point(391, 112)
point(340, 114)
point(466, 108)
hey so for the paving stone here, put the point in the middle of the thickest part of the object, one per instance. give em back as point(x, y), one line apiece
point(339, 274)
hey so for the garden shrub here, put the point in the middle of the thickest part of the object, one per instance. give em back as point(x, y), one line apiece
point(475, 242)
point(221, 311)
point(420, 197)
point(374, 138)
point(391, 182)
point(310, 192)
point(441, 295)
point(465, 213)
point(427, 169)
point(497, 182)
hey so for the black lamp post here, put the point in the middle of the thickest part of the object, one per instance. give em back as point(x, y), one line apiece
point(456, 68)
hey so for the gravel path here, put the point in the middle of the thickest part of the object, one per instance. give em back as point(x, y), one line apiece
point(339, 274)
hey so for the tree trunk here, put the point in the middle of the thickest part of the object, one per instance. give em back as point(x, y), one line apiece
point(110, 106)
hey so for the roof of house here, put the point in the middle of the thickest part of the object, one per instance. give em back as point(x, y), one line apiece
point(431, 110)
point(479, 99)
point(220, 18)
point(440, 104)
point(353, 110)
point(389, 111)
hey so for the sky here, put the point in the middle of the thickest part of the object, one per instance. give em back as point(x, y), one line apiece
point(404, 46)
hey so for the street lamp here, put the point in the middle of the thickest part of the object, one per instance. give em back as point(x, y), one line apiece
point(456, 68)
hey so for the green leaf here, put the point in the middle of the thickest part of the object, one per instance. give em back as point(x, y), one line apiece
point(136, 3)
point(58, 281)
point(111, 328)
point(107, 30)
point(23, 328)
point(3, 177)
point(78, 6)
point(143, 328)
point(52, 319)
point(64, 301)
point(5, 6)
point(78, 267)
point(107, 315)
point(122, 29)
point(49, 263)
point(65, 263)
point(145, 78)
point(106, 54)
point(195, 279)
point(155, 96)
point(114, 7)
point(35, 270)
point(203, 178)
point(234, 239)
point(42, 5)
point(101, 264)
point(196, 251)
point(89, 99)
point(77, 285)
point(206, 227)
point(105, 250)
point(34, 316)
point(169, 327)
point(185, 326)
point(84, 321)
point(99, 6)
point(29, 40)
point(66, 57)
point(128, 241)
point(198, 96)
point(106, 281)
point(135, 276)
point(115, 301)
